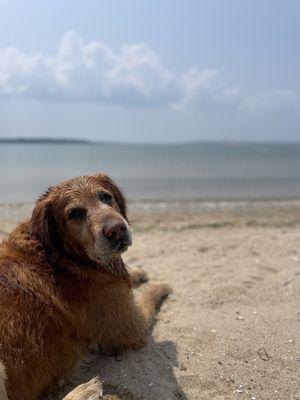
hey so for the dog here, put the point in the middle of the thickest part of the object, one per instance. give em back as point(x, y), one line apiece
point(64, 289)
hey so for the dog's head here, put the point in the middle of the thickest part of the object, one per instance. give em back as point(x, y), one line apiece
point(83, 218)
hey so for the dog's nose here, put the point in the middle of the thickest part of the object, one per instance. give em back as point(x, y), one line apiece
point(115, 230)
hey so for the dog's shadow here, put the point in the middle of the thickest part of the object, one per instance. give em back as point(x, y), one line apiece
point(147, 374)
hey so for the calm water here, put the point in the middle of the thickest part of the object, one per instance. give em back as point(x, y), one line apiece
point(202, 171)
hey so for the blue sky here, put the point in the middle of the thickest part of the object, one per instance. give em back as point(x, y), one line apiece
point(159, 70)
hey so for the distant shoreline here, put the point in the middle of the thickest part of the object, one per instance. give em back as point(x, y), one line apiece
point(22, 140)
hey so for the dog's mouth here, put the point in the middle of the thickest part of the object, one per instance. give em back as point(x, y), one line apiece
point(111, 255)
point(122, 247)
point(107, 250)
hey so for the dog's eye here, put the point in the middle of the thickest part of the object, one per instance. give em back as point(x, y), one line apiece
point(105, 198)
point(77, 213)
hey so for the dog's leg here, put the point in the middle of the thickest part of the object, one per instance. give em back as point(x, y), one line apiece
point(3, 395)
point(137, 277)
point(152, 299)
point(91, 390)
point(148, 302)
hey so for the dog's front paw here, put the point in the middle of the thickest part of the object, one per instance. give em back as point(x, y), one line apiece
point(159, 291)
point(138, 276)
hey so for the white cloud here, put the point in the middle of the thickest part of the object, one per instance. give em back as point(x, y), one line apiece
point(89, 72)
point(134, 76)
point(206, 90)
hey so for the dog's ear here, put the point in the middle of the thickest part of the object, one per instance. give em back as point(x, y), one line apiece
point(44, 226)
point(107, 182)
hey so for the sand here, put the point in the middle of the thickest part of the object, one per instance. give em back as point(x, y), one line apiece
point(231, 328)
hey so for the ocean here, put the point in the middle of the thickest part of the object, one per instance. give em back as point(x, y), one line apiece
point(205, 171)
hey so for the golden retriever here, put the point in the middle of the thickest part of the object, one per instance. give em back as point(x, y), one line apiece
point(64, 288)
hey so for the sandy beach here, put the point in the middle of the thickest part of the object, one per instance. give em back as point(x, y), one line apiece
point(230, 330)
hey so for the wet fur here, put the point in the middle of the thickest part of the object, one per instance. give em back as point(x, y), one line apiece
point(56, 302)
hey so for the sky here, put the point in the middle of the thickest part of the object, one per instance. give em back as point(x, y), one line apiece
point(150, 71)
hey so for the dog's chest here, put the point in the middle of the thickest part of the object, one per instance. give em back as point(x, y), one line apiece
point(102, 312)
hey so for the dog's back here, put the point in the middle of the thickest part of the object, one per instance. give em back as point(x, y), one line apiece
point(33, 322)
